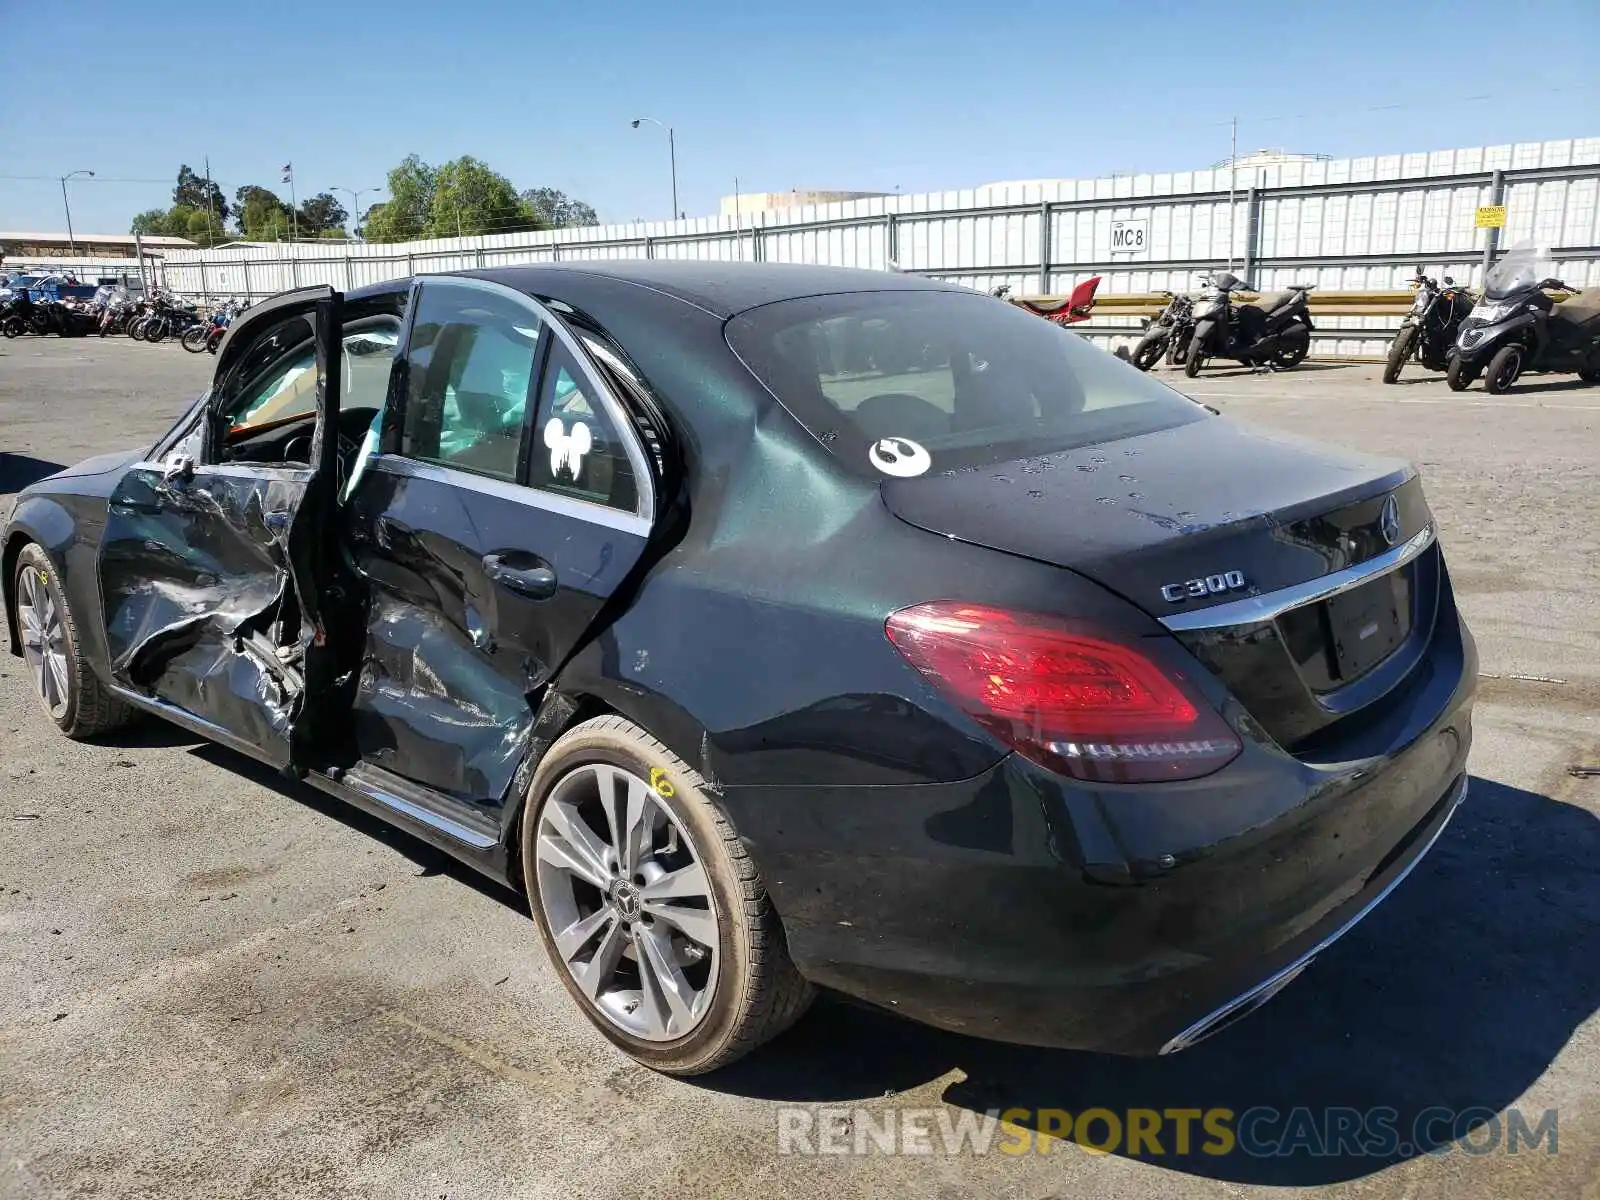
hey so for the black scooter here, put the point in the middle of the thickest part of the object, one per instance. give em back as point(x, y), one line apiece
point(1274, 333)
point(1516, 327)
point(1167, 335)
point(1430, 328)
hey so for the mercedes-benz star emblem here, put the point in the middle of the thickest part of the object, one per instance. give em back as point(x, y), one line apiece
point(1389, 521)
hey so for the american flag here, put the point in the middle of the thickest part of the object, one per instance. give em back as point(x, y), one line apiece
point(288, 172)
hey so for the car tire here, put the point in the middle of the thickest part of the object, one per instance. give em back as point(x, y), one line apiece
point(1192, 364)
point(735, 995)
point(1459, 376)
point(73, 696)
point(1399, 352)
point(1503, 370)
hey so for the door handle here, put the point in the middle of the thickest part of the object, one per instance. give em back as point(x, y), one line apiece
point(536, 583)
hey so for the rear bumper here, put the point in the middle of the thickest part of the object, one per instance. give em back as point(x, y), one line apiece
point(1015, 907)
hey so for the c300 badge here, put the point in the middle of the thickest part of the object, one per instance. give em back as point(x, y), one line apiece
point(1209, 585)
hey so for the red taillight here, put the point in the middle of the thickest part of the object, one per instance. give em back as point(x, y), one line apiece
point(1080, 705)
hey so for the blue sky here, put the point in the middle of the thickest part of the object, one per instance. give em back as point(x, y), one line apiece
point(863, 95)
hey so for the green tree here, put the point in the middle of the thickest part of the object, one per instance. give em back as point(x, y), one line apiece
point(197, 192)
point(321, 213)
point(152, 223)
point(407, 213)
point(261, 215)
point(469, 198)
point(558, 210)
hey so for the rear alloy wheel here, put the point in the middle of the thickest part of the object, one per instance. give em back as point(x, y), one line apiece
point(1459, 376)
point(1504, 368)
point(70, 691)
point(1399, 352)
point(649, 905)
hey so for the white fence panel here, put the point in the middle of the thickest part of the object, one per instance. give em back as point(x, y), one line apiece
point(1349, 224)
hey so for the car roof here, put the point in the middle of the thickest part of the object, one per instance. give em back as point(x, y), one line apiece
point(722, 289)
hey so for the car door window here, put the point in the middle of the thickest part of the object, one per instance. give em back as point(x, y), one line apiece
point(471, 367)
point(578, 450)
point(288, 388)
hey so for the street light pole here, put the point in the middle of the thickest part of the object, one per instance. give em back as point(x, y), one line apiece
point(355, 198)
point(67, 204)
point(672, 152)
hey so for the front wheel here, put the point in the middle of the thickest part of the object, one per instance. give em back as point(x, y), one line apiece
point(1148, 352)
point(71, 693)
point(156, 330)
point(194, 339)
point(1503, 370)
point(651, 910)
point(136, 329)
point(1460, 375)
point(1191, 365)
point(13, 327)
point(1399, 351)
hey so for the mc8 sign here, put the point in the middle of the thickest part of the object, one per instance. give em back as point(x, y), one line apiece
point(1130, 237)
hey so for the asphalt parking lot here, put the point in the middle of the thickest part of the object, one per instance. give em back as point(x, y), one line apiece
point(213, 983)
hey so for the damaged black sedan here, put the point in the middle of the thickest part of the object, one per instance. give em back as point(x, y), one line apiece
point(784, 628)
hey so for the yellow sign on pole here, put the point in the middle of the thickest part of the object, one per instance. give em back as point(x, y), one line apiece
point(1491, 216)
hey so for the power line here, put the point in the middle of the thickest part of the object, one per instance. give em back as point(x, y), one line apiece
point(96, 179)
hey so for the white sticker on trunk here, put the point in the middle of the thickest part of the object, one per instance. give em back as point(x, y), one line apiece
point(899, 456)
point(567, 449)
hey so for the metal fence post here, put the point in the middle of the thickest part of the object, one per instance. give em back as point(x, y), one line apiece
point(891, 238)
point(1252, 232)
point(1491, 241)
point(205, 288)
point(349, 272)
point(1044, 248)
point(249, 296)
point(649, 246)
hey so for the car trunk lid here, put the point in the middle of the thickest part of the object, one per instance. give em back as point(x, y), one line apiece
point(1209, 514)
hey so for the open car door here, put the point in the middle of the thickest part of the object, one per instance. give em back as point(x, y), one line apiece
point(216, 571)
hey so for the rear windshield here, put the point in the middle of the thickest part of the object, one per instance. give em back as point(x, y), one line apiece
point(900, 383)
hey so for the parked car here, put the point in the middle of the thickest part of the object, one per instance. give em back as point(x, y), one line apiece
point(998, 685)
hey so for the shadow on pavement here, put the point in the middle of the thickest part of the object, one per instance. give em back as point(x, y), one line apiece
point(432, 861)
point(1457, 993)
point(18, 471)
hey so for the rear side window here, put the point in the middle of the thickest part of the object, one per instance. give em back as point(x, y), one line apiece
point(577, 450)
point(903, 382)
point(471, 367)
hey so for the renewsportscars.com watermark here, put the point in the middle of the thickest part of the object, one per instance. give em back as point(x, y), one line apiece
point(1260, 1132)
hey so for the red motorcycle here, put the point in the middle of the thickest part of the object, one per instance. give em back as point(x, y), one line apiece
point(1079, 306)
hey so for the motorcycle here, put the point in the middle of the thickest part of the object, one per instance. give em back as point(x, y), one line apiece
point(1516, 327)
point(1274, 333)
point(1079, 306)
point(208, 334)
point(1430, 328)
point(1169, 334)
point(17, 313)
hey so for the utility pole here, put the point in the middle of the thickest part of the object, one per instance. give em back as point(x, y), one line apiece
point(211, 212)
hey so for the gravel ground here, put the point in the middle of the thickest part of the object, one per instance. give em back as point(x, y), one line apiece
point(213, 983)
